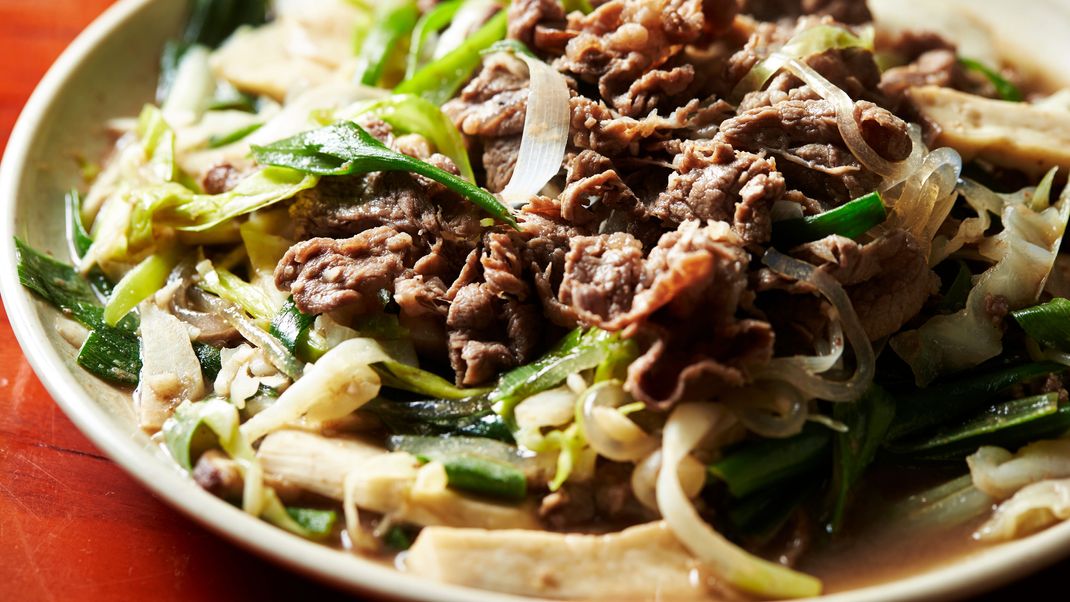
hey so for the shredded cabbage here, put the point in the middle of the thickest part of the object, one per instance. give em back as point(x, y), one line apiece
point(1033, 508)
point(1000, 474)
point(1024, 252)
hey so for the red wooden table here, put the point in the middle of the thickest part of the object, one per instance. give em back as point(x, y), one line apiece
point(73, 526)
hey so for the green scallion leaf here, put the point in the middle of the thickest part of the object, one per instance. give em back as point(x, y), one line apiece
point(316, 523)
point(392, 25)
point(439, 80)
point(236, 135)
point(850, 220)
point(759, 465)
point(346, 149)
point(955, 400)
point(1006, 90)
point(867, 423)
point(408, 378)
point(431, 22)
point(1047, 323)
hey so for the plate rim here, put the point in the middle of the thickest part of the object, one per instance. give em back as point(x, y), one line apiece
point(960, 578)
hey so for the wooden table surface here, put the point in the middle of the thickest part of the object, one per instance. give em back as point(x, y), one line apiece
point(73, 526)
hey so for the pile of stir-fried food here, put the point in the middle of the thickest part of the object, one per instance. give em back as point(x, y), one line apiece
point(670, 274)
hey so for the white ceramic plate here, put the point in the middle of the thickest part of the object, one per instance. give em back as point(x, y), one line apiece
point(110, 71)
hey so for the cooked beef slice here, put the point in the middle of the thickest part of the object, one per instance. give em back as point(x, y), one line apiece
point(888, 279)
point(324, 274)
point(845, 11)
point(792, 123)
point(714, 182)
point(492, 323)
point(495, 101)
point(624, 46)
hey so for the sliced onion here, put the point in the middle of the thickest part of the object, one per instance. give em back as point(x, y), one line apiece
point(609, 433)
point(770, 408)
point(687, 426)
point(359, 539)
point(645, 478)
point(542, 146)
point(797, 371)
point(845, 118)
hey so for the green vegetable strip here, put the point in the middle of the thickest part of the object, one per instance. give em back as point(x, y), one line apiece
point(291, 327)
point(397, 538)
point(473, 417)
point(390, 28)
point(486, 477)
point(760, 516)
point(584, 6)
point(414, 115)
point(434, 20)
point(346, 149)
point(76, 233)
point(236, 135)
point(851, 220)
point(184, 437)
point(111, 355)
point(210, 23)
point(579, 350)
point(867, 423)
point(227, 285)
point(956, 295)
point(210, 359)
point(1006, 90)
point(316, 523)
point(941, 404)
point(439, 80)
point(139, 284)
point(767, 462)
point(407, 378)
point(1048, 323)
point(81, 241)
point(969, 435)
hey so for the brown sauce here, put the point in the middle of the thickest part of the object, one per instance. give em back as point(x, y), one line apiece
point(876, 548)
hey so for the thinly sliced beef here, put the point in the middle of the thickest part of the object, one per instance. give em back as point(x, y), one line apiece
point(844, 11)
point(805, 136)
point(939, 67)
point(324, 274)
point(499, 160)
point(797, 122)
point(530, 20)
point(853, 70)
point(343, 206)
point(495, 101)
point(696, 345)
point(492, 324)
point(888, 280)
point(714, 182)
point(597, 127)
point(623, 47)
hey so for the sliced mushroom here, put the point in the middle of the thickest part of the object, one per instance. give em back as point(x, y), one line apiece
point(188, 304)
point(170, 371)
point(1032, 138)
point(639, 563)
point(394, 484)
